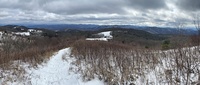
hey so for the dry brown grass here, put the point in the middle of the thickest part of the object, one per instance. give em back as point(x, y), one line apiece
point(112, 62)
point(34, 52)
point(119, 63)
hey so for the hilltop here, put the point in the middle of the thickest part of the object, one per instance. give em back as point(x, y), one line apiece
point(104, 56)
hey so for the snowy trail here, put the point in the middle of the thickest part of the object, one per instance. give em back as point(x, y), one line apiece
point(56, 72)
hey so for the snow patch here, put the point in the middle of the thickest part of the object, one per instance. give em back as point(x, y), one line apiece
point(33, 30)
point(23, 33)
point(98, 39)
point(107, 34)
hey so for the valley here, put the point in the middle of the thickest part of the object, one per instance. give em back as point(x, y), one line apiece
point(113, 56)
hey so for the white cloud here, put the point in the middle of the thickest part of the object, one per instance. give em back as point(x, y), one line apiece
point(135, 12)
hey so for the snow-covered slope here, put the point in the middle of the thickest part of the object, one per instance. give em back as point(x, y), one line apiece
point(59, 70)
point(55, 72)
point(105, 36)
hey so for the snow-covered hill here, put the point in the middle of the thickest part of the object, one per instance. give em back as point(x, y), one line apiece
point(159, 68)
point(57, 71)
point(104, 36)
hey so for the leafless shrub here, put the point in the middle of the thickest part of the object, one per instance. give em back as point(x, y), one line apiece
point(121, 64)
point(31, 50)
point(112, 62)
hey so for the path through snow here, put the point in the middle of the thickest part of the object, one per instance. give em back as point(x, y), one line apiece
point(56, 72)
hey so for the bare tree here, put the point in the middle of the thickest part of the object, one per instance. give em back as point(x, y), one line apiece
point(180, 27)
point(197, 23)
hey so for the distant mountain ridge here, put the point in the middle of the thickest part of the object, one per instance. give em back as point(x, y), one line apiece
point(90, 27)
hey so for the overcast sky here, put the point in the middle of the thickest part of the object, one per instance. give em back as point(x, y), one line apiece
point(118, 12)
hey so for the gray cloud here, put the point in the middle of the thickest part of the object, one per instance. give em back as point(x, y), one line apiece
point(66, 6)
point(101, 6)
point(85, 6)
point(19, 4)
point(189, 5)
point(82, 6)
point(147, 4)
point(142, 12)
